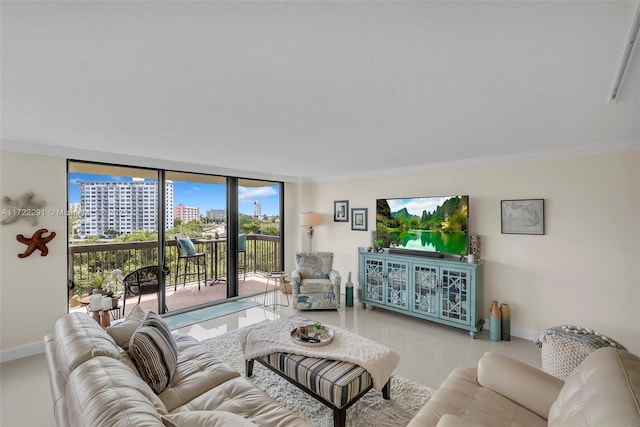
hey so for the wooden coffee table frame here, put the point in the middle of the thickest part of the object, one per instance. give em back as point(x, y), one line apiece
point(339, 414)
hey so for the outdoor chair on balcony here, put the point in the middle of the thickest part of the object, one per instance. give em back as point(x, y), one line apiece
point(140, 282)
point(187, 254)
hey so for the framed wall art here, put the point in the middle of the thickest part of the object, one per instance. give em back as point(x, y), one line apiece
point(341, 211)
point(525, 216)
point(359, 219)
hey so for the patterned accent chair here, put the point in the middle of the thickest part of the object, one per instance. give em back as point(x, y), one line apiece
point(316, 286)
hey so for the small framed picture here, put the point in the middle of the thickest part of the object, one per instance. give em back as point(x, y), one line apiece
point(359, 219)
point(524, 216)
point(341, 211)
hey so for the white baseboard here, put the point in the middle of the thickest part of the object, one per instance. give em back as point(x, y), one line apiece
point(19, 352)
point(525, 334)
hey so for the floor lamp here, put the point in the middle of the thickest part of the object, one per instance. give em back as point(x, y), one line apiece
point(309, 219)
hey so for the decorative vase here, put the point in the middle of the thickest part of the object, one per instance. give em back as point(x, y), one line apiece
point(505, 322)
point(106, 303)
point(95, 301)
point(348, 290)
point(475, 247)
point(495, 333)
point(114, 302)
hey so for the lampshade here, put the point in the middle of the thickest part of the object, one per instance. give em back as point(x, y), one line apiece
point(310, 219)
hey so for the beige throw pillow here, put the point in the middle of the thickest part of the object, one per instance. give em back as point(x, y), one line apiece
point(123, 331)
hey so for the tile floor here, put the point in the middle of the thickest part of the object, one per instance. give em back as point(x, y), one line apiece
point(428, 352)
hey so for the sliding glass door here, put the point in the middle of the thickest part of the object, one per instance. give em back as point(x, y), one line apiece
point(113, 232)
point(199, 210)
point(260, 247)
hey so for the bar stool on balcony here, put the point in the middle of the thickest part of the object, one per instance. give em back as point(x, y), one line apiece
point(242, 250)
point(187, 252)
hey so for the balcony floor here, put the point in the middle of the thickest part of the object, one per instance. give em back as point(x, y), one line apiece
point(190, 296)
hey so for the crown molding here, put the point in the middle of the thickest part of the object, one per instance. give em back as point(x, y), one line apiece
point(605, 147)
point(147, 162)
point(150, 162)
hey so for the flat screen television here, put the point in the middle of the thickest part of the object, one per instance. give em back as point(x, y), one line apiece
point(433, 225)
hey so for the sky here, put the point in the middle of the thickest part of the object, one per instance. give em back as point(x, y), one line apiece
point(204, 195)
point(415, 206)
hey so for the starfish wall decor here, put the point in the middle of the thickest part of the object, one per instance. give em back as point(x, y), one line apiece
point(37, 241)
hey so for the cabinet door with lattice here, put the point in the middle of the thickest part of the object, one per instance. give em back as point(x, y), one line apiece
point(397, 284)
point(455, 295)
point(425, 289)
point(373, 275)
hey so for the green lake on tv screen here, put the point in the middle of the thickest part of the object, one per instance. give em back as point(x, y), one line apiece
point(434, 241)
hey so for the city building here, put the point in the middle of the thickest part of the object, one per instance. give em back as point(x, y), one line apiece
point(216, 213)
point(257, 210)
point(186, 213)
point(118, 207)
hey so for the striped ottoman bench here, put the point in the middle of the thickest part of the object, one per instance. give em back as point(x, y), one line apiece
point(334, 383)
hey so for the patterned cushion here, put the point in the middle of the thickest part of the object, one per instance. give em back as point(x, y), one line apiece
point(312, 286)
point(154, 352)
point(338, 382)
point(317, 301)
point(186, 246)
point(315, 265)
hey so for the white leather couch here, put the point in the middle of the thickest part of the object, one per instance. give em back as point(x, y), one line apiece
point(94, 382)
point(603, 391)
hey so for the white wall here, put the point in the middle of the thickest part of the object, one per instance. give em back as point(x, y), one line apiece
point(32, 289)
point(584, 270)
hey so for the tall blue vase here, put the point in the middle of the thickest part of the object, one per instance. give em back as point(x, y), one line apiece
point(495, 330)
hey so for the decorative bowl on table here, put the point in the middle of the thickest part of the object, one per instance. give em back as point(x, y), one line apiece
point(310, 336)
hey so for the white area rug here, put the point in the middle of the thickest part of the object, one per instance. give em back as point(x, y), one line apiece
point(407, 397)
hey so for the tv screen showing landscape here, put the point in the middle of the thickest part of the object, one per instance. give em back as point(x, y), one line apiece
point(433, 224)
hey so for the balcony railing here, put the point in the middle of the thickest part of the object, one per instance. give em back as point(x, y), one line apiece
point(90, 265)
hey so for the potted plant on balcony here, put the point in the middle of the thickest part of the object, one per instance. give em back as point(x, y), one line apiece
point(110, 288)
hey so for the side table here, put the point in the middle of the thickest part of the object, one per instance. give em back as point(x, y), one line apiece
point(277, 277)
point(103, 317)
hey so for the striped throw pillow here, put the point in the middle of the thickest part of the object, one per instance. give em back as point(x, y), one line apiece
point(154, 352)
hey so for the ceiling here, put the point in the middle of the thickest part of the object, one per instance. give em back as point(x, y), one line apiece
point(317, 90)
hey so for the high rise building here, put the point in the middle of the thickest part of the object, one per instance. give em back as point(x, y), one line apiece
point(186, 213)
point(119, 207)
point(216, 213)
point(257, 210)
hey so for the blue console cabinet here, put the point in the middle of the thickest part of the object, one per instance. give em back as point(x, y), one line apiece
point(441, 290)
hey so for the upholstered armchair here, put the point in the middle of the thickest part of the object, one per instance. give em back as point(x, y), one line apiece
point(316, 286)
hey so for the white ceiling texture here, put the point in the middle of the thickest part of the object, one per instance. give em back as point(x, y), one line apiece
point(317, 90)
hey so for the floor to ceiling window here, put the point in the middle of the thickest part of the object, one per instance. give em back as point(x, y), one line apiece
point(114, 229)
point(116, 234)
point(260, 248)
point(199, 214)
